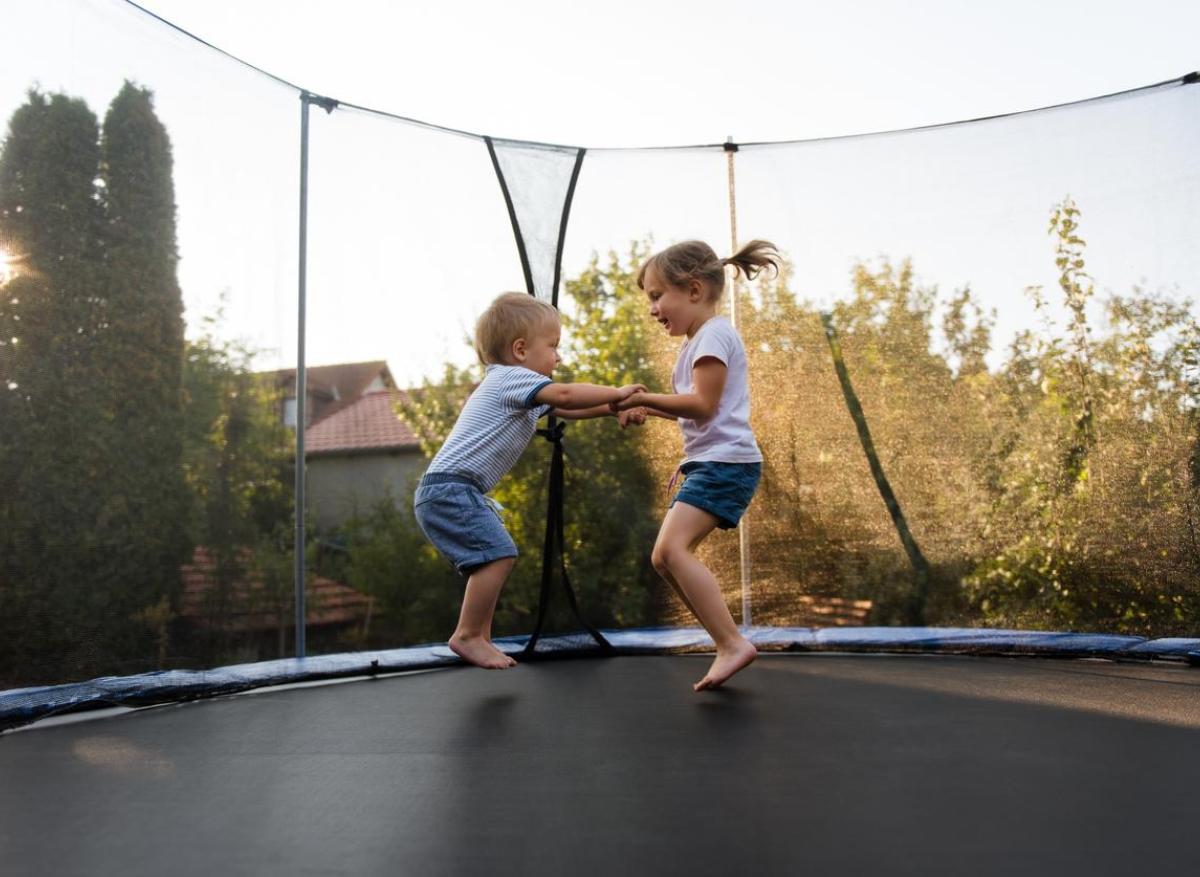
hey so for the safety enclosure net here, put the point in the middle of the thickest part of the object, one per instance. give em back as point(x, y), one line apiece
point(974, 382)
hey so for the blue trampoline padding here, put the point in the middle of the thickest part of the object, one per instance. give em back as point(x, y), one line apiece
point(23, 705)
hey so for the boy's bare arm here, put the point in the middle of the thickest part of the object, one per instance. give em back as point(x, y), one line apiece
point(672, 405)
point(573, 397)
point(584, 413)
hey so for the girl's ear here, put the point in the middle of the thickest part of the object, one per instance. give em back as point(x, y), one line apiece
point(695, 289)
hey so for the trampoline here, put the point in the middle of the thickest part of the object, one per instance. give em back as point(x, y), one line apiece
point(900, 764)
point(928, 496)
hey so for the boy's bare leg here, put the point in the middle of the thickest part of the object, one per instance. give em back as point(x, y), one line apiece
point(472, 638)
point(487, 635)
point(683, 529)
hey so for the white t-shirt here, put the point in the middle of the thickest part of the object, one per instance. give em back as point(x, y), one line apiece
point(725, 437)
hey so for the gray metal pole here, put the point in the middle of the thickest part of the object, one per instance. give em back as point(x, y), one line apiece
point(744, 524)
point(301, 381)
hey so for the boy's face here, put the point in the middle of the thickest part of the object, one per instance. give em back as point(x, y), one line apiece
point(676, 308)
point(539, 351)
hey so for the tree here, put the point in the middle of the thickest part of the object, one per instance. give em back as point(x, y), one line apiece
point(53, 453)
point(90, 462)
point(1064, 547)
point(140, 352)
point(238, 465)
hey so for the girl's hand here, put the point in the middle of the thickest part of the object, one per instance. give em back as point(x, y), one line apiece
point(631, 401)
point(632, 417)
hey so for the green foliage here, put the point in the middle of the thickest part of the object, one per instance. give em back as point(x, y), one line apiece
point(90, 487)
point(416, 593)
point(1058, 491)
point(1089, 505)
point(237, 463)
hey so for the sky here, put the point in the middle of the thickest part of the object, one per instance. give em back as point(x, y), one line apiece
point(408, 233)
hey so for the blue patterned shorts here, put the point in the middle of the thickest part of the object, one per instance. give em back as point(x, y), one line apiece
point(724, 490)
point(461, 522)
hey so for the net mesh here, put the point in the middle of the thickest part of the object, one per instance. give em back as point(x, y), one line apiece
point(1010, 302)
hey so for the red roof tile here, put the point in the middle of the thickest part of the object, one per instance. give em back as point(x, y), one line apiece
point(368, 424)
point(332, 388)
point(345, 380)
point(249, 607)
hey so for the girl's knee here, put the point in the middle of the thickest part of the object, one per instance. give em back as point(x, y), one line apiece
point(658, 561)
point(665, 556)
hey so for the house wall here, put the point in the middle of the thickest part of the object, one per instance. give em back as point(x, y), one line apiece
point(338, 486)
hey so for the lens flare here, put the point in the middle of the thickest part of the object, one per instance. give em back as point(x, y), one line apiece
point(8, 266)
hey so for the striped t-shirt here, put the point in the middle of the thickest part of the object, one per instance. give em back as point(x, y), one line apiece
point(494, 427)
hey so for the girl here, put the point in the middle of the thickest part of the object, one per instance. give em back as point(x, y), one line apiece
point(711, 402)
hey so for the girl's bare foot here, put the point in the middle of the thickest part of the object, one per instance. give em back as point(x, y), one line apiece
point(728, 662)
point(478, 651)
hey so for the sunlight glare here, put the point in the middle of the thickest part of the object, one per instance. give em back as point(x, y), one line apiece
point(8, 266)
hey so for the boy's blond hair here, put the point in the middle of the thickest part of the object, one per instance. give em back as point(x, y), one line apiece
point(511, 316)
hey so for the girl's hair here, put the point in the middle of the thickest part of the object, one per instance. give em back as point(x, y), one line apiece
point(511, 316)
point(695, 260)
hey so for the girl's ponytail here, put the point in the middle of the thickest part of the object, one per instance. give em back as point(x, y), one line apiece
point(753, 258)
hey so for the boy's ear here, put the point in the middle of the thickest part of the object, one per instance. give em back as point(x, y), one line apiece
point(519, 350)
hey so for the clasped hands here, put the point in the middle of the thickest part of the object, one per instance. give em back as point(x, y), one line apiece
point(628, 408)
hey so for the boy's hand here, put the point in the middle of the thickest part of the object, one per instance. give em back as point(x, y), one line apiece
point(632, 417)
point(629, 389)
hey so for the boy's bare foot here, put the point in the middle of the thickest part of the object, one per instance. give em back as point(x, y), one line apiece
point(478, 651)
point(511, 661)
point(508, 659)
point(727, 663)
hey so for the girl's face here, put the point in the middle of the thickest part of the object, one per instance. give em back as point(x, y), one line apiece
point(679, 309)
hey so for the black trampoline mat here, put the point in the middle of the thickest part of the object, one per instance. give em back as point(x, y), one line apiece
point(805, 764)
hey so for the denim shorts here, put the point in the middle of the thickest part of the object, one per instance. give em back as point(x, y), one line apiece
point(724, 490)
point(461, 523)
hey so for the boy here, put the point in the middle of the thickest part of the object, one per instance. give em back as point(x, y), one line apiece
point(517, 339)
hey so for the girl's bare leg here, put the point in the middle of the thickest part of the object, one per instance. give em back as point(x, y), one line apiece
point(683, 529)
point(472, 638)
point(665, 574)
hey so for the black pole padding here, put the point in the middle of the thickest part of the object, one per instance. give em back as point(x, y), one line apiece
point(562, 225)
point(730, 146)
point(555, 544)
point(915, 609)
point(512, 217)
